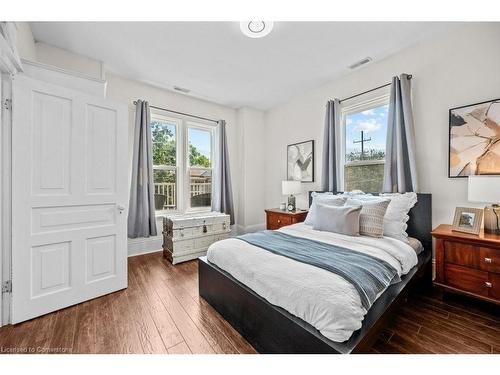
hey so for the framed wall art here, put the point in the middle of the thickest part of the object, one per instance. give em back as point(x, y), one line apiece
point(474, 139)
point(300, 161)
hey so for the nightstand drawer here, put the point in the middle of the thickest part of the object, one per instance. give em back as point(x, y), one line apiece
point(489, 259)
point(276, 218)
point(467, 279)
point(278, 221)
point(461, 254)
point(494, 285)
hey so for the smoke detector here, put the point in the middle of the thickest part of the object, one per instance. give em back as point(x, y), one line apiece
point(256, 29)
point(357, 64)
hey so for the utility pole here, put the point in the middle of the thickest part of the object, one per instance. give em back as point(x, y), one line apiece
point(362, 141)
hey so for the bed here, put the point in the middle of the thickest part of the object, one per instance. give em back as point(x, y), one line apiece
point(272, 329)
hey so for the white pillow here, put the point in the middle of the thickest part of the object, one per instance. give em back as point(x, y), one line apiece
point(396, 217)
point(324, 198)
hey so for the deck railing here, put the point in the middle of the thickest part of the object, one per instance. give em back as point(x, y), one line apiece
point(168, 189)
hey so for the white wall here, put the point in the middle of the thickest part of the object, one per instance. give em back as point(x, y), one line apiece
point(25, 42)
point(47, 54)
point(250, 172)
point(453, 69)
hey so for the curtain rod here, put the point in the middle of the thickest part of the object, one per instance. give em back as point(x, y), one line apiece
point(367, 91)
point(179, 113)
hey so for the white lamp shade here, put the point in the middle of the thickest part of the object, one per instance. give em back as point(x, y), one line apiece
point(484, 189)
point(291, 187)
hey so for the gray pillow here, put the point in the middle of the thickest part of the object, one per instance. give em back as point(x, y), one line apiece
point(371, 219)
point(322, 198)
point(343, 220)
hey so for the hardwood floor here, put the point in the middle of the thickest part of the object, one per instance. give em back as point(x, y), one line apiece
point(434, 322)
point(161, 312)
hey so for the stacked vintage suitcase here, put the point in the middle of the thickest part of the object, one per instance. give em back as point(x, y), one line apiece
point(187, 237)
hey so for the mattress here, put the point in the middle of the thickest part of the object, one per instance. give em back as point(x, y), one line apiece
point(323, 299)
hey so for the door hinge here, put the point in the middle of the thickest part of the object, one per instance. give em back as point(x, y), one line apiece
point(7, 104)
point(7, 286)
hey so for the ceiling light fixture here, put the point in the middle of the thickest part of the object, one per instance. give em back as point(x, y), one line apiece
point(256, 29)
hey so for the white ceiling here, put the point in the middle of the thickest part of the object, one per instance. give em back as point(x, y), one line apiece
point(218, 63)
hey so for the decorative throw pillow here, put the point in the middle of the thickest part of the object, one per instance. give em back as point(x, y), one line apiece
point(396, 217)
point(343, 220)
point(371, 219)
point(327, 199)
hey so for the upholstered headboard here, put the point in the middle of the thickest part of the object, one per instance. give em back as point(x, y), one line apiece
point(420, 223)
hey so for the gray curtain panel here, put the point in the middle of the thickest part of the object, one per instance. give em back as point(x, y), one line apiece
point(400, 171)
point(329, 169)
point(141, 213)
point(222, 194)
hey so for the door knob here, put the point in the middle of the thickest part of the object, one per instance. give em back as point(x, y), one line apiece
point(120, 208)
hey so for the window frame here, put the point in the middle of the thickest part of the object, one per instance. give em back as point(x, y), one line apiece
point(156, 115)
point(362, 104)
point(182, 167)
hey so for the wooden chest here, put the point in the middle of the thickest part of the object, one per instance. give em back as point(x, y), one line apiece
point(467, 263)
point(187, 237)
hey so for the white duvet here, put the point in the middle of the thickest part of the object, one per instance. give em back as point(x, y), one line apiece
point(323, 299)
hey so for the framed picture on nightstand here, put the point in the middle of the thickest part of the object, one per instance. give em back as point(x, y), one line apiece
point(467, 220)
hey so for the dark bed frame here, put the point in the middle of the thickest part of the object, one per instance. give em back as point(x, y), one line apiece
point(271, 329)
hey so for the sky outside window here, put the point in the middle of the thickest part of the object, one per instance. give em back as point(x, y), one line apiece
point(201, 139)
point(373, 123)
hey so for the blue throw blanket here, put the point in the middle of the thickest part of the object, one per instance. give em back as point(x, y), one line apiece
point(368, 274)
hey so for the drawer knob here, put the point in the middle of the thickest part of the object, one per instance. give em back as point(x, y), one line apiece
point(488, 284)
point(488, 260)
point(279, 221)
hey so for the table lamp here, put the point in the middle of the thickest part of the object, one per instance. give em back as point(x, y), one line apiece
point(487, 189)
point(290, 188)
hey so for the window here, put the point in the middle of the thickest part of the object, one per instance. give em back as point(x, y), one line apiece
point(365, 130)
point(200, 167)
point(179, 146)
point(164, 142)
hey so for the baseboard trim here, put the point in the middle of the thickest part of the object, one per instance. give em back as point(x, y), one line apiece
point(139, 246)
point(144, 253)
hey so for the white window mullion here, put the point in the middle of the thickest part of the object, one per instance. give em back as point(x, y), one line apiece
point(186, 169)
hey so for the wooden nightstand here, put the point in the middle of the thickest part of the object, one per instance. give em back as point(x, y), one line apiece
point(276, 218)
point(468, 264)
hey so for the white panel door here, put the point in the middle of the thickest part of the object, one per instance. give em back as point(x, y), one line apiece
point(69, 193)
